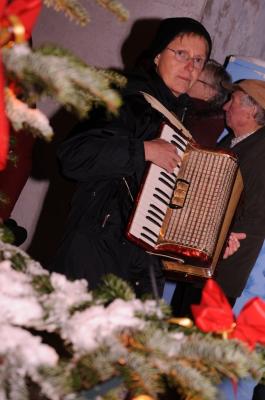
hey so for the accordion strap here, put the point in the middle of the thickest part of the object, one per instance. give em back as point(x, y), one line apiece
point(169, 115)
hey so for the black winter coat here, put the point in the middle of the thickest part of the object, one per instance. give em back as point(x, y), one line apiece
point(233, 272)
point(100, 156)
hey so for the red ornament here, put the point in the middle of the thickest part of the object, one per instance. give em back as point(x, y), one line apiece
point(26, 11)
point(214, 314)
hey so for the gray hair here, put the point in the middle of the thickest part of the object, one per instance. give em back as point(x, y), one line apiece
point(260, 113)
point(217, 76)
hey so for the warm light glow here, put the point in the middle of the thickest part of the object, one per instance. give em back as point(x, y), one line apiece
point(142, 397)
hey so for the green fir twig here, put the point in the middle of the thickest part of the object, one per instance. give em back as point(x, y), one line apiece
point(72, 9)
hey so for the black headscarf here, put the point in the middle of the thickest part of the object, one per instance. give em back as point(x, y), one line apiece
point(172, 27)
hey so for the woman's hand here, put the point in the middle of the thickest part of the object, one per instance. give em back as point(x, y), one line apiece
point(162, 153)
point(233, 243)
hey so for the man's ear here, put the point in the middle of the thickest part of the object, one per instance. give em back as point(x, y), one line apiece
point(156, 60)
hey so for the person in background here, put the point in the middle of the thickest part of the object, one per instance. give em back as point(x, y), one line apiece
point(108, 158)
point(205, 117)
point(245, 115)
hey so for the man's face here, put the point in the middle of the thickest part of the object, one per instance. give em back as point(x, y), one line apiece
point(237, 113)
point(179, 75)
point(204, 87)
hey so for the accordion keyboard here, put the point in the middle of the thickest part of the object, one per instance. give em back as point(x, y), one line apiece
point(156, 194)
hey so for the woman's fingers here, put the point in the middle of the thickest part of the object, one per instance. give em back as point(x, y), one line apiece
point(162, 153)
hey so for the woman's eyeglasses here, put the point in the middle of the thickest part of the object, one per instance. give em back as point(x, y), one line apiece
point(184, 57)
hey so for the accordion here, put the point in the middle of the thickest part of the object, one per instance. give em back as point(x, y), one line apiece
point(184, 217)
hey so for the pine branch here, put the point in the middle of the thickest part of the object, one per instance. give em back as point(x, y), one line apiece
point(20, 260)
point(261, 351)
point(6, 235)
point(106, 354)
point(115, 7)
point(23, 117)
point(75, 11)
point(141, 376)
point(113, 389)
point(3, 199)
point(84, 375)
point(15, 386)
point(56, 72)
point(229, 358)
point(120, 392)
point(72, 9)
point(112, 288)
point(42, 284)
point(191, 384)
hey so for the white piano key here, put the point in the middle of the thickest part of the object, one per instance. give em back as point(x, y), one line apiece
point(138, 225)
point(168, 133)
point(149, 198)
point(152, 187)
point(138, 231)
point(146, 211)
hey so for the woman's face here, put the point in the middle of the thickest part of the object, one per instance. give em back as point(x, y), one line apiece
point(180, 70)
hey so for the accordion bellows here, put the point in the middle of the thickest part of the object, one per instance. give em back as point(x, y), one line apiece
point(184, 217)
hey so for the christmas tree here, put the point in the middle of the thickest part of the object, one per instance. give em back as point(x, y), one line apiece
point(60, 341)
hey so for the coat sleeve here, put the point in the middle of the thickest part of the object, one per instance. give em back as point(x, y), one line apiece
point(110, 149)
point(250, 216)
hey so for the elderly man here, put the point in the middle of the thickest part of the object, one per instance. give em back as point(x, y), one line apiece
point(245, 115)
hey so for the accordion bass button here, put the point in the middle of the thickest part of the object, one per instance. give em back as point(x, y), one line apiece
point(179, 194)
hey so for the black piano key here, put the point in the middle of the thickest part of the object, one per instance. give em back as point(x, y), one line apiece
point(166, 183)
point(179, 139)
point(161, 199)
point(165, 175)
point(155, 215)
point(180, 147)
point(157, 209)
point(148, 238)
point(153, 221)
point(163, 193)
point(150, 231)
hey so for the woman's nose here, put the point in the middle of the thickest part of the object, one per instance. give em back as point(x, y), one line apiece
point(190, 64)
